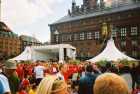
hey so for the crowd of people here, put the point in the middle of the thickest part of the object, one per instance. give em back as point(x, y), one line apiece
point(42, 77)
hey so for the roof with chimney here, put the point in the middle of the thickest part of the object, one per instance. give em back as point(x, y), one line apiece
point(98, 12)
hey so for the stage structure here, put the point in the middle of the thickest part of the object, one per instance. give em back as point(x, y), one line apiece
point(60, 52)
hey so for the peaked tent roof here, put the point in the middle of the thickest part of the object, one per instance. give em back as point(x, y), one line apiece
point(111, 53)
point(25, 55)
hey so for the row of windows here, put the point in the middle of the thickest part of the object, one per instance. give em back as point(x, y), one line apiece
point(31, 43)
point(8, 35)
point(90, 21)
point(96, 35)
point(123, 32)
point(80, 36)
point(135, 53)
point(10, 41)
point(133, 42)
point(10, 44)
point(9, 47)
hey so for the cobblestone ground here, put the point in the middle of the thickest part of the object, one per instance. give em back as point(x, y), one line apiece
point(128, 79)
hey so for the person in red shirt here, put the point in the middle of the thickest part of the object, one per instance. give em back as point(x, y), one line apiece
point(20, 71)
point(137, 90)
point(62, 74)
point(22, 92)
point(25, 83)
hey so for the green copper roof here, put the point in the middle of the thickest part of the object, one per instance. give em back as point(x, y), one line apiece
point(6, 32)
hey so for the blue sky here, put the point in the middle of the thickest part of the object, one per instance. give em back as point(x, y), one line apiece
point(31, 17)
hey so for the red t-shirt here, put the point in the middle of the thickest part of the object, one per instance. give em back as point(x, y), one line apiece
point(23, 92)
point(25, 83)
point(20, 72)
point(136, 91)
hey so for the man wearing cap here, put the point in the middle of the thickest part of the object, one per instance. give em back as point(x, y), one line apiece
point(10, 72)
point(4, 84)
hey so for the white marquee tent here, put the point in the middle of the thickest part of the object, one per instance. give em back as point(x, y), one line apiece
point(47, 52)
point(111, 53)
point(25, 55)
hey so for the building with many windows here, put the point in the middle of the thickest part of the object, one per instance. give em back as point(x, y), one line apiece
point(29, 41)
point(83, 27)
point(10, 44)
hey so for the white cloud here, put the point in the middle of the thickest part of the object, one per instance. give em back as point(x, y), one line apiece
point(25, 16)
point(21, 12)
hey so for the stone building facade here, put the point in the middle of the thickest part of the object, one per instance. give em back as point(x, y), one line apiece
point(28, 41)
point(10, 44)
point(82, 27)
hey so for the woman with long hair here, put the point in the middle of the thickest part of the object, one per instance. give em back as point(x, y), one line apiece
point(52, 85)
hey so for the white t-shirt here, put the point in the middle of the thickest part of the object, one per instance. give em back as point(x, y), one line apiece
point(60, 76)
point(4, 84)
point(39, 71)
point(54, 70)
point(74, 77)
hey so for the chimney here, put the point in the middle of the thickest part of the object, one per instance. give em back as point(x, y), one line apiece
point(90, 3)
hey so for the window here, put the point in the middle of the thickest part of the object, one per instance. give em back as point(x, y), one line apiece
point(75, 36)
point(123, 32)
point(6, 35)
point(57, 38)
point(97, 36)
point(114, 34)
point(89, 35)
point(82, 36)
point(134, 53)
point(66, 37)
point(134, 42)
point(134, 31)
point(123, 43)
point(25, 42)
point(69, 37)
point(52, 28)
point(63, 37)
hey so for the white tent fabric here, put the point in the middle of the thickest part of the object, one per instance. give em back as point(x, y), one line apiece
point(47, 52)
point(111, 53)
point(25, 55)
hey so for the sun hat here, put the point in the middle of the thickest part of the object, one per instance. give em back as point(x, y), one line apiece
point(10, 64)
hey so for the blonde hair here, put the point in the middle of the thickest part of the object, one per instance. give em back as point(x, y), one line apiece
point(51, 85)
point(58, 85)
point(110, 83)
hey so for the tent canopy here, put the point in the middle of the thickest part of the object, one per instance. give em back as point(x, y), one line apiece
point(47, 52)
point(25, 55)
point(111, 53)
